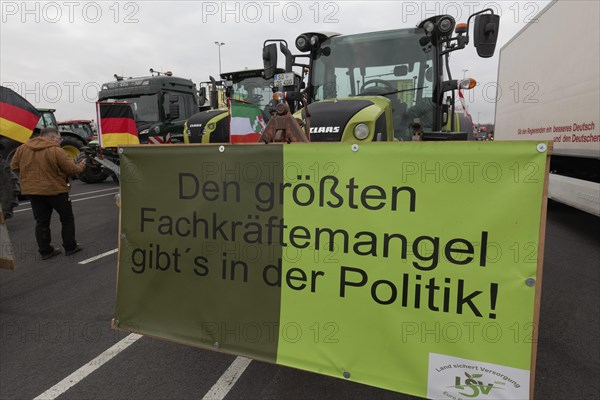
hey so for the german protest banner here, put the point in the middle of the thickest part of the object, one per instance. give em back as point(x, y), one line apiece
point(414, 267)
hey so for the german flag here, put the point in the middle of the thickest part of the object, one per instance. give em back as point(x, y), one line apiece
point(18, 117)
point(116, 124)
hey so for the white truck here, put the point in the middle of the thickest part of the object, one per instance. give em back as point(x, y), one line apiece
point(549, 89)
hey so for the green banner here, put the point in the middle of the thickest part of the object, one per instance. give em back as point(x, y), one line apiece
point(407, 266)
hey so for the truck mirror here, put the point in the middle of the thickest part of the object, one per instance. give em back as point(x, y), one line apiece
point(401, 70)
point(202, 96)
point(429, 74)
point(289, 59)
point(270, 60)
point(173, 109)
point(486, 34)
point(214, 95)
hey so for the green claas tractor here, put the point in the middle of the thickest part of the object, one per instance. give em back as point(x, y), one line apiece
point(83, 128)
point(212, 126)
point(72, 143)
point(373, 86)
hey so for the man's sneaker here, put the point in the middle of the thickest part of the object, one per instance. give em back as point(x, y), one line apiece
point(77, 249)
point(56, 251)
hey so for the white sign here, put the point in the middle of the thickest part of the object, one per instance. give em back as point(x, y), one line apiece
point(459, 378)
point(286, 79)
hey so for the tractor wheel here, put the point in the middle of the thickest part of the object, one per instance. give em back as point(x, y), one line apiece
point(93, 172)
point(9, 189)
point(72, 146)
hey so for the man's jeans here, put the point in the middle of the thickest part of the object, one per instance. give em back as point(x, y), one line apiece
point(42, 207)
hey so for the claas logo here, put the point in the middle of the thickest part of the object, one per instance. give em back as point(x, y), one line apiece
point(324, 129)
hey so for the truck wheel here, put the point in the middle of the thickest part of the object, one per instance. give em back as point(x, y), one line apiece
point(93, 172)
point(9, 189)
point(72, 146)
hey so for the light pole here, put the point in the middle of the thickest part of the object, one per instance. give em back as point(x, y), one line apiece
point(464, 73)
point(220, 44)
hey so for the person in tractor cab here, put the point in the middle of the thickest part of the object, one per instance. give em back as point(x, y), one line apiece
point(44, 169)
point(421, 111)
point(417, 130)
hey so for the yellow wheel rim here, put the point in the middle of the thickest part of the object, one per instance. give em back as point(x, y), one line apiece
point(72, 151)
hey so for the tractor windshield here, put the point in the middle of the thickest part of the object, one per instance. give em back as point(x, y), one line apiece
point(81, 129)
point(47, 119)
point(390, 63)
point(255, 90)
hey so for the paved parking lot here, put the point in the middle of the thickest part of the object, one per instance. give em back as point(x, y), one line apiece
point(55, 324)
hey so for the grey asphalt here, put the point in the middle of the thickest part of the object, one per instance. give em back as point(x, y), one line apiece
point(55, 317)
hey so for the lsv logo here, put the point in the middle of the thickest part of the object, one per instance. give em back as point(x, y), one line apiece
point(474, 386)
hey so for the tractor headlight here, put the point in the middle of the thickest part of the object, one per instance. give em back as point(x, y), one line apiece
point(314, 41)
point(446, 25)
point(428, 26)
point(361, 131)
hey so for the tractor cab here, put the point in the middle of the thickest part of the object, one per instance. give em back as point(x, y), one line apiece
point(373, 86)
point(161, 103)
point(212, 125)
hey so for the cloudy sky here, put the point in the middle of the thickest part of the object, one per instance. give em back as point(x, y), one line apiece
point(57, 54)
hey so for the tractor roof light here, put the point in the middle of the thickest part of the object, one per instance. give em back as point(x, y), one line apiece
point(461, 28)
point(429, 26)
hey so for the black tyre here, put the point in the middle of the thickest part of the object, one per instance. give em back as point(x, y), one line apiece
point(94, 173)
point(9, 189)
point(72, 146)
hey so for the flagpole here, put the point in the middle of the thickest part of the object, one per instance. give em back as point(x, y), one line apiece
point(99, 129)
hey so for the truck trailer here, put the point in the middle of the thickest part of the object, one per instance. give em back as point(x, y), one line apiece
point(549, 90)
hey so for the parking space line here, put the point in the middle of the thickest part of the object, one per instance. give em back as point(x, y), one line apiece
point(91, 259)
point(73, 201)
point(228, 379)
point(94, 191)
point(22, 203)
point(88, 368)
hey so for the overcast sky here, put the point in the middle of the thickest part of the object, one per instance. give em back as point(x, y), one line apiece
point(57, 54)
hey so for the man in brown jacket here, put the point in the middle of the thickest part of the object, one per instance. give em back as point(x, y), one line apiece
point(44, 170)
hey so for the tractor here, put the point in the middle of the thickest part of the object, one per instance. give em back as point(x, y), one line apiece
point(72, 143)
point(161, 103)
point(373, 86)
point(212, 125)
